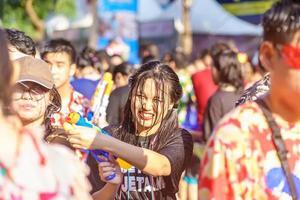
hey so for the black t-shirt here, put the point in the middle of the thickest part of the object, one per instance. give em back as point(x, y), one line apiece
point(116, 104)
point(218, 105)
point(178, 148)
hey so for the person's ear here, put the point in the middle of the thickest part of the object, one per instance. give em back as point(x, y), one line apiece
point(72, 69)
point(267, 54)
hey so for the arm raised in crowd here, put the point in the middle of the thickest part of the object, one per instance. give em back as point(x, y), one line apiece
point(149, 161)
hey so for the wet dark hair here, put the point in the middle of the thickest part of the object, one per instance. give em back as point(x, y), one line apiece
point(124, 68)
point(21, 41)
point(6, 72)
point(229, 69)
point(165, 79)
point(59, 46)
point(281, 21)
point(54, 107)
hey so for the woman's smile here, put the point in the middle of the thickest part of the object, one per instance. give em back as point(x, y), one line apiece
point(144, 115)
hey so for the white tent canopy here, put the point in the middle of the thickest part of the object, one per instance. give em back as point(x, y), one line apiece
point(207, 16)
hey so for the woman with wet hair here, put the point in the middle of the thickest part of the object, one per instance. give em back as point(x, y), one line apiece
point(29, 168)
point(148, 138)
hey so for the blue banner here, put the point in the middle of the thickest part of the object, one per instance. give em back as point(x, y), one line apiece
point(118, 5)
point(118, 21)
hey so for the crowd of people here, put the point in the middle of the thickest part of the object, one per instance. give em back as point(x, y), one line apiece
point(217, 125)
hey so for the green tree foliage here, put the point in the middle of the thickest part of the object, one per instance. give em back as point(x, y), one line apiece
point(14, 13)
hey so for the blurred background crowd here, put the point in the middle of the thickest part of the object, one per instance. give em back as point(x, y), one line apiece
point(212, 45)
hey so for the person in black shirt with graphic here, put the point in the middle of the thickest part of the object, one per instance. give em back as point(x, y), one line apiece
point(148, 138)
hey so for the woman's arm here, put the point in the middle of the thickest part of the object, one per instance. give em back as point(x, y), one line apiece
point(146, 160)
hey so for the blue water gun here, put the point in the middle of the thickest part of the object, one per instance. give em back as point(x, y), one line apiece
point(74, 118)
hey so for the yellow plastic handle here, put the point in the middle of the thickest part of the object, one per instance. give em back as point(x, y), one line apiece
point(123, 164)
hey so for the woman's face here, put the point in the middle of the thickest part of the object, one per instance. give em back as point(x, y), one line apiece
point(150, 105)
point(29, 101)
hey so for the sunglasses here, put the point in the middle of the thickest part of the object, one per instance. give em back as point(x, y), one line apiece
point(35, 93)
point(291, 55)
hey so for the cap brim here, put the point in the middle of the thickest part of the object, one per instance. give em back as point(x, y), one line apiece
point(42, 82)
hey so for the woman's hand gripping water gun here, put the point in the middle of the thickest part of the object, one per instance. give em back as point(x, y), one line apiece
point(85, 140)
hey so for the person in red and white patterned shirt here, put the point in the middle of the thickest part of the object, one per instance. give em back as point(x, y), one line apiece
point(254, 151)
point(77, 103)
point(61, 56)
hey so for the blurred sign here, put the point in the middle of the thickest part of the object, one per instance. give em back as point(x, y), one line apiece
point(118, 21)
point(119, 5)
point(157, 29)
point(248, 10)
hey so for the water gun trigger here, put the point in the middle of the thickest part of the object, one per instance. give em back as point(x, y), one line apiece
point(98, 159)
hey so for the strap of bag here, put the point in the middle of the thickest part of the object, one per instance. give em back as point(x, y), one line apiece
point(280, 146)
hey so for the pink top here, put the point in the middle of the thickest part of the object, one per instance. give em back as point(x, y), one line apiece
point(42, 171)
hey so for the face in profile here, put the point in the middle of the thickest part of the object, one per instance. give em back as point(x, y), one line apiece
point(29, 101)
point(61, 67)
point(149, 105)
point(284, 66)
